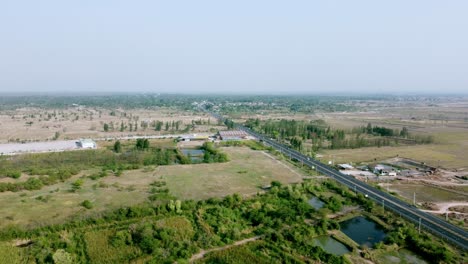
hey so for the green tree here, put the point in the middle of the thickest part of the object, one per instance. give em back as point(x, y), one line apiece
point(142, 144)
point(117, 147)
point(404, 132)
point(87, 204)
point(106, 127)
point(146, 144)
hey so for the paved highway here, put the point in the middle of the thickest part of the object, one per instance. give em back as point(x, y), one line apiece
point(433, 224)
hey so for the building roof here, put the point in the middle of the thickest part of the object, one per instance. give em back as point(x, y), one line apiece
point(233, 134)
point(345, 166)
point(382, 167)
point(87, 141)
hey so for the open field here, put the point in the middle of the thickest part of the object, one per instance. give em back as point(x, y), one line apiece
point(443, 118)
point(35, 124)
point(246, 171)
point(449, 151)
point(426, 193)
point(56, 203)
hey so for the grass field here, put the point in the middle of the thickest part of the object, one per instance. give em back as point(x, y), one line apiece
point(10, 254)
point(56, 203)
point(238, 254)
point(100, 251)
point(246, 171)
point(426, 193)
point(449, 151)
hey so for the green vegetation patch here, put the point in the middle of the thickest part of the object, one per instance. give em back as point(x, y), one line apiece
point(100, 250)
point(183, 229)
point(10, 254)
point(250, 253)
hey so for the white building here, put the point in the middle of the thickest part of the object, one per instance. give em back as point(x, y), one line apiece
point(86, 144)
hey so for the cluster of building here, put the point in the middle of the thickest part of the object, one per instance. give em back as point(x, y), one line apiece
point(384, 171)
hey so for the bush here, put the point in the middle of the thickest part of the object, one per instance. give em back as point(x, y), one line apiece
point(13, 174)
point(87, 204)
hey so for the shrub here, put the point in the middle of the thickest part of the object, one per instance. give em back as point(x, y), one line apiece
point(13, 174)
point(87, 204)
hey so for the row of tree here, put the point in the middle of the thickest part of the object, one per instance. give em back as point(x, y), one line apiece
point(155, 124)
point(320, 135)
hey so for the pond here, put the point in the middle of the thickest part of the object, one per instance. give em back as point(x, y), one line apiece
point(316, 203)
point(365, 232)
point(196, 155)
point(330, 245)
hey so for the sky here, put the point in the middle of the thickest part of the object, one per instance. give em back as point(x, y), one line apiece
point(259, 46)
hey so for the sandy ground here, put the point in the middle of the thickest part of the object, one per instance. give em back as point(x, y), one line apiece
point(444, 207)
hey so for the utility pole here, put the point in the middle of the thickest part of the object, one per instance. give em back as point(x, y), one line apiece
point(419, 229)
point(414, 198)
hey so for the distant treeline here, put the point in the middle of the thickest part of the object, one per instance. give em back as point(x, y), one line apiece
point(226, 103)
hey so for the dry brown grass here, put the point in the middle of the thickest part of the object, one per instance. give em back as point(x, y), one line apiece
point(449, 151)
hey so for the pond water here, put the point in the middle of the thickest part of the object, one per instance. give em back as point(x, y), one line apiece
point(365, 232)
point(316, 203)
point(330, 245)
point(196, 155)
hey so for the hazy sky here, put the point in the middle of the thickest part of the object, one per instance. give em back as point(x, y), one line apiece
point(234, 46)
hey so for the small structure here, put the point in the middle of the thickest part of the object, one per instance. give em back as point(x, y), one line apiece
point(193, 137)
point(383, 170)
point(363, 168)
point(358, 173)
point(86, 144)
point(233, 135)
point(345, 166)
point(410, 173)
